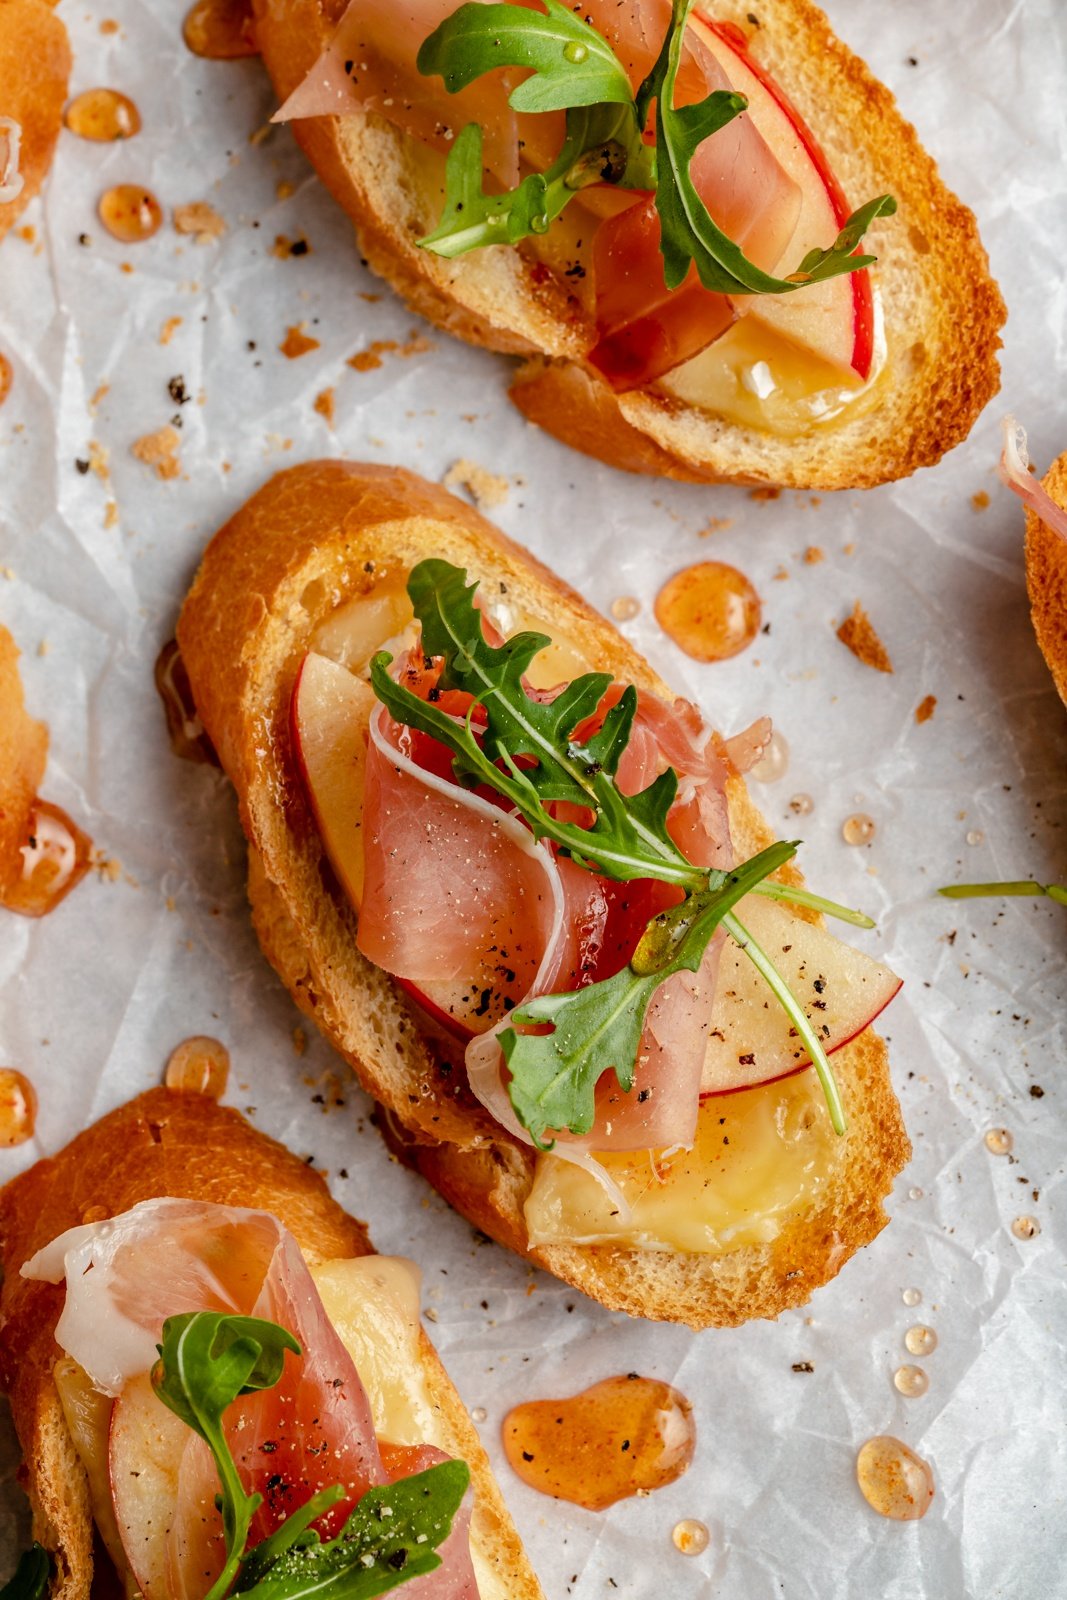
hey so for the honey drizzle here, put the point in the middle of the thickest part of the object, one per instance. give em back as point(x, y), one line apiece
point(184, 728)
point(710, 610)
point(893, 1480)
point(55, 858)
point(622, 1437)
point(200, 1065)
point(7, 378)
point(221, 30)
point(102, 115)
point(18, 1108)
point(130, 213)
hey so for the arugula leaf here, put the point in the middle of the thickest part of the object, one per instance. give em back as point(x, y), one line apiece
point(573, 65)
point(29, 1581)
point(688, 231)
point(628, 836)
point(603, 144)
point(1025, 886)
point(207, 1361)
point(392, 1535)
point(598, 1028)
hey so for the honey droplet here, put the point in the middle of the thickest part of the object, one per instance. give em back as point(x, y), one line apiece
point(893, 1480)
point(625, 608)
point(773, 762)
point(920, 1340)
point(1026, 1227)
point(802, 805)
point(911, 1297)
point(221, 30)
point(184, 728)
point(102, 115)
point(690, 1536)
point(859, 828)
point(1000, 1141)
point(130, 213)
point(7, 378)
point(18, 1108)
point(911, 1381)
point(976, 836)
point(55, 857)
point(915, 1193)
point(710, 610)
point(200, 1065)
point(624, 1436)
point(478, 1413)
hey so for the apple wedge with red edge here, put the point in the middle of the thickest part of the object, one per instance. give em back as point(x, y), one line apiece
point(833, 319)
point(146, 1442)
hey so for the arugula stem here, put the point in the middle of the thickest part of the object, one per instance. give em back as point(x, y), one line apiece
point(1023, 886)
point(795, 896)
point(793, 1009)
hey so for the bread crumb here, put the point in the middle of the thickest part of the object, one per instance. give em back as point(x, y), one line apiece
point(28, 232)
point(764, 493)
point(849, 549)
point(370, 358)
point(111, 514)
point(109, 867)
point(715, 525)
point(858, 634)
point(127, 266)
point(159, 450)
point(101, 390)
point(487, 489)
point(285, 190)
point(284, 247)
point(297, 343)
point(199, 219)
point(300, 1041)
point(324, 405)
point(166, 332)
point(813, 555)
point(43, 647)
point(980, 500)
point(109, 25)
point(925, 709)
point(781, 575)
point(8, 572)
point(98, 459)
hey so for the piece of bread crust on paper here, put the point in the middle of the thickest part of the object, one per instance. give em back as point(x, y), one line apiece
point(185, 1146)
point(1046, 578)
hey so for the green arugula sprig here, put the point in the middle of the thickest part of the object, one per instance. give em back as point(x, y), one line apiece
point(207, 1361)
point(29, 1581)
point(526, 750)
point(575, 70)
point(1023, 886)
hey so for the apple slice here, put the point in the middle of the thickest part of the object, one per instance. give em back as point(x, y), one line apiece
point(751, 1039)
point(145, 1446)
point(329, 715)
point(834, 319)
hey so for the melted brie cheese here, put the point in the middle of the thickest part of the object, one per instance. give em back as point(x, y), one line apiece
point(761, 1157)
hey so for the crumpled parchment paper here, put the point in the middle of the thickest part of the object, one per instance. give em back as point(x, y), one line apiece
point(94, 997)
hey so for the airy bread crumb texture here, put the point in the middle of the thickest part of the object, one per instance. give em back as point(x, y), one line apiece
point(942, 309)
point(189, 1147)
point(859, 635)
point(312, 538)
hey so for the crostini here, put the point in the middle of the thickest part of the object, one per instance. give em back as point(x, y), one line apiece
point(686, 287)
point(292, 1375)
point(1046, 547)
point(34, 70)
point(428, 903)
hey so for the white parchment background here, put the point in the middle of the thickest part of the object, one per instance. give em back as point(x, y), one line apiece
point(93, 998)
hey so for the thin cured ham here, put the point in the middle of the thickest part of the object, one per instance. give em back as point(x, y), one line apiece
point(1015, 472)
point(313, 1429)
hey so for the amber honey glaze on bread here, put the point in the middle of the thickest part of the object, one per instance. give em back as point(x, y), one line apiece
point(942, 309)
point(297, 549)
point(188, 1147)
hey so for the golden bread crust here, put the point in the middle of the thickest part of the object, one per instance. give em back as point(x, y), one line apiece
point(23, 753)
point(188, 1147)
point(943, 310)
point(34, 68)
point(1046, 579)
point(293, 552)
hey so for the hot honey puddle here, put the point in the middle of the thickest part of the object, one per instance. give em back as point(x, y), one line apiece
point(55, 857)
point(221, 30)
point(710, 610)
point(624, 1436)
point(184, 728)
point(18, 1108)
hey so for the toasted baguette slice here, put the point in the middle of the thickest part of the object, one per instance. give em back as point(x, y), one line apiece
point(34, 69)
point(301, 546)
point(942, 309)
point(1046, 578)
point(184, 1146)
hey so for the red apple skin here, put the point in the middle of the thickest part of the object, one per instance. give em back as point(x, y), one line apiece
point(803, 1066)
point(862, 297)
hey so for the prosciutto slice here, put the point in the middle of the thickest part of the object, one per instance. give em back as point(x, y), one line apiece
point(313, 1429)
point(1015, 472)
